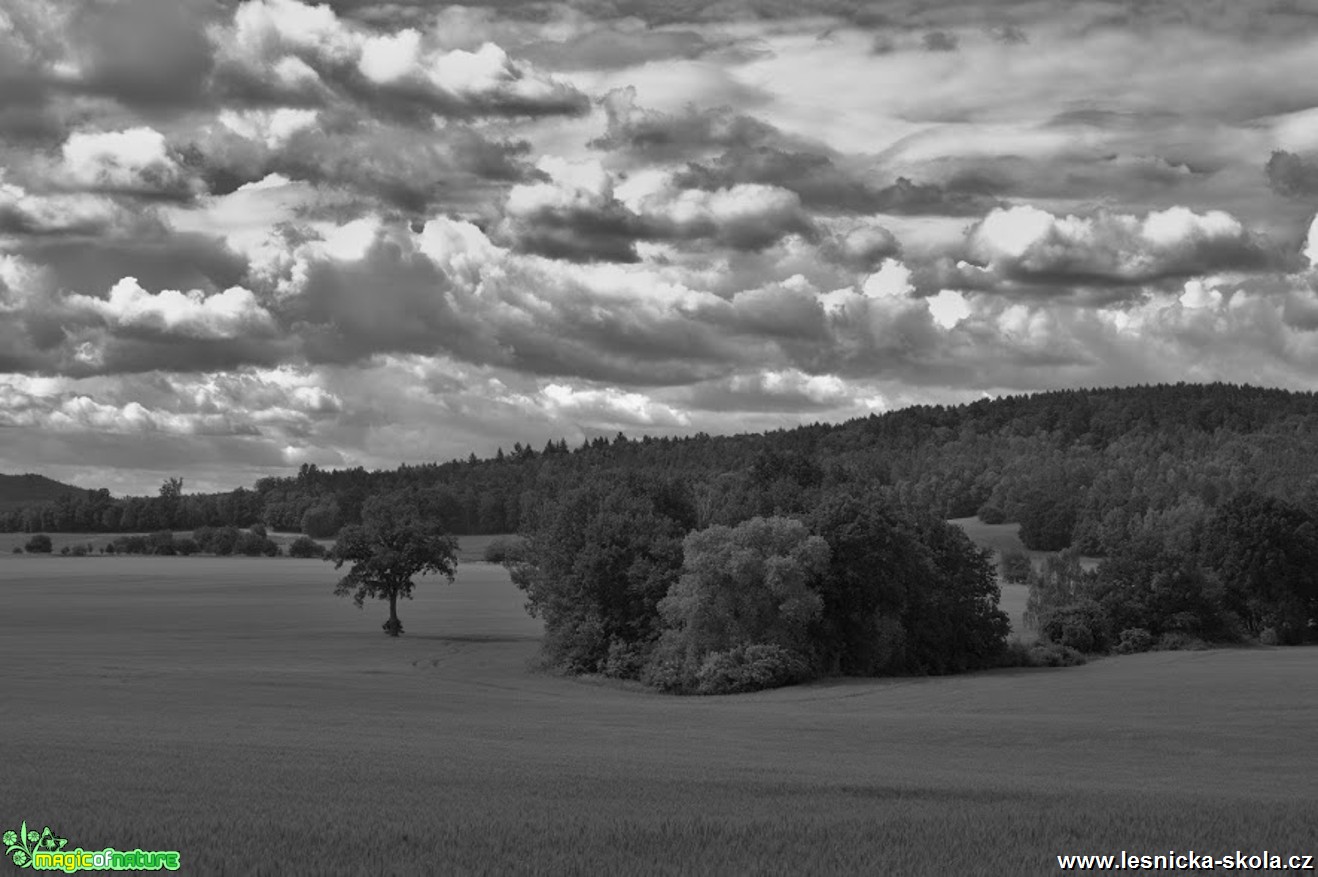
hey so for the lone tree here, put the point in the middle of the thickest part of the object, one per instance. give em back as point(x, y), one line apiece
point(394, 543)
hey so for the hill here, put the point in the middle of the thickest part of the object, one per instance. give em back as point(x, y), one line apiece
point(18, 491)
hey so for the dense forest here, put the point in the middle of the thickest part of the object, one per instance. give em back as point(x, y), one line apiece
point(1089, 469)
point(1203, 499)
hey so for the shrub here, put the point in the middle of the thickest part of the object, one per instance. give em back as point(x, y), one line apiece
point(321, 522)
point(254, 545)
point(131, 545)
point(1054, 655)
point(108, 548)
point(1039, 654)
point(79, 551)
point(1269, 637)
point(64, 550)
point(18, 549)
point(1016, 566)
point(305, 546)
point(220, 542)
point(750, 668)
point(991, 514)
point(505, 549)
point(1081, 626)
point(1177, 641)
point(625, 660)
point(1133, 640)
point(258, 530)
point(186, 546)
point(39, 544)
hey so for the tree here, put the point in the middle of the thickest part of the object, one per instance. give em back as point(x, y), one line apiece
point(39, 544)
point(740, 615)
point(321, 521)
point(393, 544)
point(1015, 566)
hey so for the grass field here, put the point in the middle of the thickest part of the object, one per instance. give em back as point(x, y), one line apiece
point(234, 710)
point(470, 548)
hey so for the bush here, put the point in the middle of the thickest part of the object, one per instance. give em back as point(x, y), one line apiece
point(1134, 640)
point(750, 668)
point(991, 514)
point(1054, 655)
point(1040, 654)
point(1177, 641)
point(18, 549)
point(258, 530)
point(79, 551)
point(64, 550)
point(108, 548)
point(186, 547)
point(305, 546)
point(505, 549)
point(322, 521)
point(39, 544)
point(254, 545)
point(1016, 566)
point(1081, 626)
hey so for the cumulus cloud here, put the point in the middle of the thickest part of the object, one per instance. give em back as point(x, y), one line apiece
point(1032, 245)
point(135, 161)
point(192, 314)
point(284, 51)
point(579, 216)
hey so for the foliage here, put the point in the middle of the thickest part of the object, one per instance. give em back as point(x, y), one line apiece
point(1133, 640)
point(1266, 552)
point(1081, 625)
point(750, 585)
point(505, 549)
point(394, 544)
point(596, 568)
point(39, 544)
point(305, 546)
point(750, 667)
point(905, 592)
point(321, 521)
point(1016, 566)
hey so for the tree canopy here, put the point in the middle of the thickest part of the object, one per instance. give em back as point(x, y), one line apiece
point(393, 545)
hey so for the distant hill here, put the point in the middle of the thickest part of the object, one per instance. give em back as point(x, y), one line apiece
point(17, 491)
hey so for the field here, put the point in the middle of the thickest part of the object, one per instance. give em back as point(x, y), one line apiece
point(470, 548)
point(232, 709)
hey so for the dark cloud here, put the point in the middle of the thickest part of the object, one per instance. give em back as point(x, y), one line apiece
point(824, 186)
point(145, 53)
point(1291, 175)
point(160, 258)
point(940, 41)
point(458, 169)
point(658, 135)
point(609, 48)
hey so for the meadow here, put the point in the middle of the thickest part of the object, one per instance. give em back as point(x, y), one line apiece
point(234, 710)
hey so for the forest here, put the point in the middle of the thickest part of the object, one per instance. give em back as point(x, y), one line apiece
point(1202, 501)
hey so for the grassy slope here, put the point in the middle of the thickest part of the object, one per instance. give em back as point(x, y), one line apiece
point(234, 710)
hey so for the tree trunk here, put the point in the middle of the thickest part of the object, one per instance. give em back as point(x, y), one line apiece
point(393, 626)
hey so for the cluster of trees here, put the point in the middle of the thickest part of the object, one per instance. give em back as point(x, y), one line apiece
point(1247, 570)
point(1086, 469)
point(631, 585)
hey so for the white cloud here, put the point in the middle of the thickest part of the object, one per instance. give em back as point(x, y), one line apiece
point(228, 314)
point(135, 159)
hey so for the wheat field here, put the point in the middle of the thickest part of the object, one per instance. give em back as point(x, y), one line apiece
point(232, 709)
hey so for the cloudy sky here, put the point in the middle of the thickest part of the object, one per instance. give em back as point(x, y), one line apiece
point(236, 237)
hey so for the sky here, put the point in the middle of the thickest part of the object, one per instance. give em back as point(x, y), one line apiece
point(240, 237)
